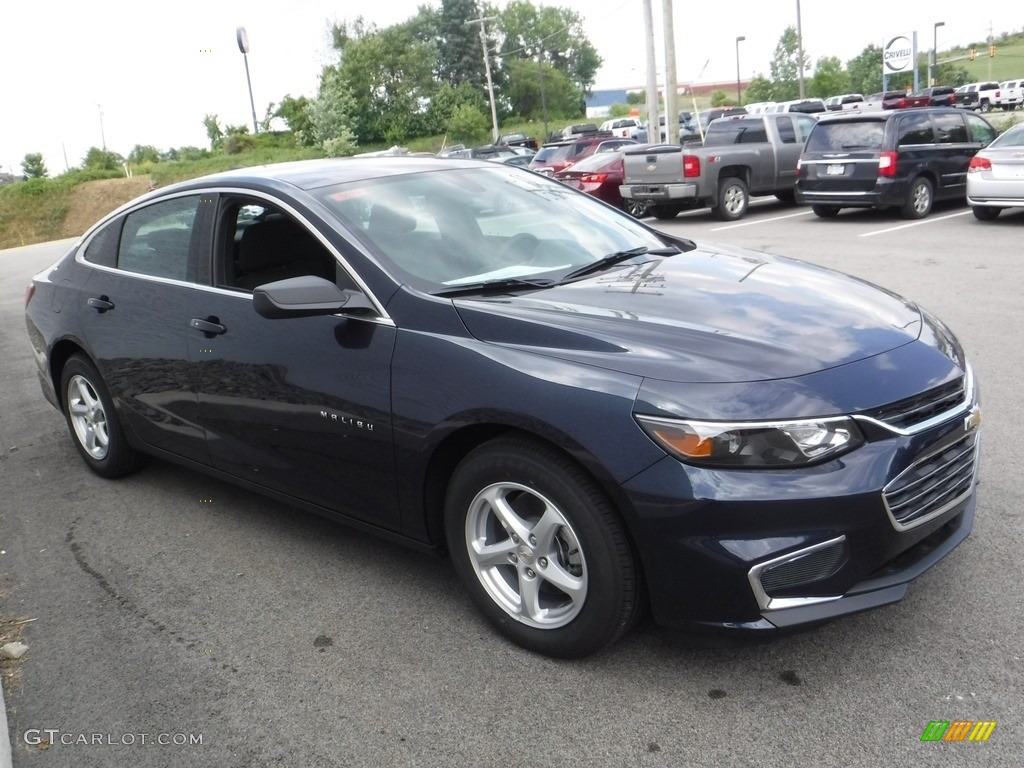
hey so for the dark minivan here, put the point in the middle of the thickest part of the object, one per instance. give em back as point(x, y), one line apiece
point(903, 158)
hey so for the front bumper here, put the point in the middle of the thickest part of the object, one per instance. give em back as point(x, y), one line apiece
point(764, 550)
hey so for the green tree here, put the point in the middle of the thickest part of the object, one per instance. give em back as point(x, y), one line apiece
point(554, 34)
point(295, 113)
point(388, 74)
point(459, 53)
point(213, 130)
point(33, 167)
point(865, 70)
point(144, 154)
point(759, 89)
point(468, 124)
point(102, 159)
point(636, 97)
point(447, 99)
point(830, 78)
point(328, 117)
point(785, 67)
point(952, 74)
point(721, 98)
point(534, 88)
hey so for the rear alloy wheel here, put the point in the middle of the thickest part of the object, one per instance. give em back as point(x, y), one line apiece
point(825, 211)
point(540, 549)
point(919, 199)
point(93, 423)
point(664, 212)
point(986, 107)
point(985, 212)
point(635, 208)
point(733, 199)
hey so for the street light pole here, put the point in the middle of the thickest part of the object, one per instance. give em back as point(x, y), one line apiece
point(487, 67)
point(243, 45)
point(103, 138)
point(739, 98)
point(934, 71)
point(800, 48)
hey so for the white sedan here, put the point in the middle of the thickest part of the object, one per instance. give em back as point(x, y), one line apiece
point(995, 176)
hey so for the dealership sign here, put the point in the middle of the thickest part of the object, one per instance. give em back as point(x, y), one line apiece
point(898, 55)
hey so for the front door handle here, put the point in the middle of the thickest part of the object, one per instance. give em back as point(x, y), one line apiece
point(101, 304)
point(210, 327)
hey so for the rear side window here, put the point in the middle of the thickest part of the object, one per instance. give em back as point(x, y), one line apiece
point(950, 129)
point(981, 131)
point(915, 129)
point(724, 132)
point(786, 131)
point(157, 239)
point(846, 135)
point(102, 249)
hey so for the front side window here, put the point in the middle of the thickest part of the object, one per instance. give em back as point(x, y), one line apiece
point(157, 239)
point(950, 129)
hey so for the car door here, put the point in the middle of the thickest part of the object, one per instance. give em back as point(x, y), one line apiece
point(298, 405)
point(954, 150)
point(135, 309)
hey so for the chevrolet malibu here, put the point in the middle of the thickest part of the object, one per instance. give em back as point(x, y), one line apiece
point(592, 418)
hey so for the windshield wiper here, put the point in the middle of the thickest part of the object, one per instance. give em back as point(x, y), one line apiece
point(615, 258)
point(502, 283)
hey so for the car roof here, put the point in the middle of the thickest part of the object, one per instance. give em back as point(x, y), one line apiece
point(310, 174)
point(884, 115)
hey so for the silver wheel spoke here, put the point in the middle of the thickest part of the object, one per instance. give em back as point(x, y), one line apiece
point(489, 555)
point(557, 576)
point(85, 394)
point(545, 529)
point(498, 501)
point(79, 410)
point(529, 593)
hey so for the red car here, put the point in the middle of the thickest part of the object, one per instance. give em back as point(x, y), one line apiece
point(600, 175)
point(558, 156)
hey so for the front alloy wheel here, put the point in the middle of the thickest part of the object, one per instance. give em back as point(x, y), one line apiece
point(540, 549)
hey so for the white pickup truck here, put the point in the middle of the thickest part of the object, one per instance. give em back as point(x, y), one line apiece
point(988, 95)
point(1012, 95)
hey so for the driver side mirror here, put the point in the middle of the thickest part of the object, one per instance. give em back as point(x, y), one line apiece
point(309, 296)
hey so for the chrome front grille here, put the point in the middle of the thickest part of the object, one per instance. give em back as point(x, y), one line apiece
point(919, 408)
point(933, 484)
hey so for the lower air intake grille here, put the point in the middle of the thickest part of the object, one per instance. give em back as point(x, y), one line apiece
point(805, 569)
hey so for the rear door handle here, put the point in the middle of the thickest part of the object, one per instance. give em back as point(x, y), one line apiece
point(210, 327)
point(101, 304)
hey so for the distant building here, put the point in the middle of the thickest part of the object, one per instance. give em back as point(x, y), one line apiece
point(6, 178)
point(600, 102)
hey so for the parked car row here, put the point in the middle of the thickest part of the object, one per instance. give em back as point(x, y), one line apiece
point(989, 95)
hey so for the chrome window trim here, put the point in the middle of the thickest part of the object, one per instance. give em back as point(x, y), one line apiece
point(83, 244)
point(963, 406)
point(767, 603)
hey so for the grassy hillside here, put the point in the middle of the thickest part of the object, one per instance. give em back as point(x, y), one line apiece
point(1007, 64)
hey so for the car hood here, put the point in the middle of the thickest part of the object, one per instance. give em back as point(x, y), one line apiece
point(713, 314)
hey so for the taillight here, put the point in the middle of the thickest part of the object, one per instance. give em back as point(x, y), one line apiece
point(887, 164)
point(800, 166)
point(901, 103)
point(691, 166)
point(979, 164)
point(30, 291)
point(594, 178)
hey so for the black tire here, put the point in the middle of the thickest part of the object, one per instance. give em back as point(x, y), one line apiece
point(985, 212)
point(580, 543)
point(919, 199)
point(985, 107)
point(92, 421)
point(788, 196)
point(825, 211)
point(733, 199)
point(664, 212)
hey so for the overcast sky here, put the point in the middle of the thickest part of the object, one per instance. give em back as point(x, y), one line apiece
point(155, 69)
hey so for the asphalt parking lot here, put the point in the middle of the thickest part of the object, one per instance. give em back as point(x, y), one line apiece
point(172, 605)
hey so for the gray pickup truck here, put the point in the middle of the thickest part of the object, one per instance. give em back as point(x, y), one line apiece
point(742, 155)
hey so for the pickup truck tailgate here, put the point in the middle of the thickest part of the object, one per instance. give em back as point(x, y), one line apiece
point(656, 165)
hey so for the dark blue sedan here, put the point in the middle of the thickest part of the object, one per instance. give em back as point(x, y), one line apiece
point(592, 418)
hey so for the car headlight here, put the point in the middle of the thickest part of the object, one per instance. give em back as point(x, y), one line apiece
point(753, 443)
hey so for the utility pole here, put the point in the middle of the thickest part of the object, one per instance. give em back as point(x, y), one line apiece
point(487, 67)
point(103, 138)
point(652, 74)
point(800, 49)
point(990, 50)
point(671, 88)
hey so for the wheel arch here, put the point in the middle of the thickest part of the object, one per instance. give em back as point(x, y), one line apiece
point(59, 356)
point(458, 444)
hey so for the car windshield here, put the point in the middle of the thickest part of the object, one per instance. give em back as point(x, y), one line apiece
point(846, 135)
point(449, 227)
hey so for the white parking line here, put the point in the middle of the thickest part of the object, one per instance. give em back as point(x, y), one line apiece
point(760, 221)
point(914, 223)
